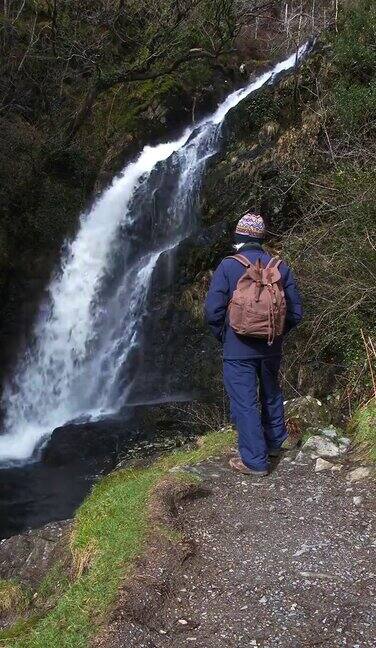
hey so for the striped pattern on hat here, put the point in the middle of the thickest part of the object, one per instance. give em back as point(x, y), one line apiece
point(251, 225)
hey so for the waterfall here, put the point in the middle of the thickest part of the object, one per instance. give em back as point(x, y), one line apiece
point(78, 360)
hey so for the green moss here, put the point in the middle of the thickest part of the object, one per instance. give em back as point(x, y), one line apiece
point(110, 530)
point(363, 428)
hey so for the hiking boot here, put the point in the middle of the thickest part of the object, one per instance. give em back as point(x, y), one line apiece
point(294, 437)
point(237, 464)
point(274, 452)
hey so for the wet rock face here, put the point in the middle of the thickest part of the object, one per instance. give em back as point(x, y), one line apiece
point(179, 355)
point(27, 557)
point(70, 444)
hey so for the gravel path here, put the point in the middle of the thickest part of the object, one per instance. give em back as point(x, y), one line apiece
point(285, 561)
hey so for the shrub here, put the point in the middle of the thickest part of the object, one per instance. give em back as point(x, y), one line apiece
point(355, 104)
point(354, 53)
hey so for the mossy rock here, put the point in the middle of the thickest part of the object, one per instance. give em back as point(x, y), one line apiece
point(310, 413)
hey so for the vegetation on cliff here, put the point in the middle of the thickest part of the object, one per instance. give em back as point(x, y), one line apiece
point(304, 153)
point(332, 244)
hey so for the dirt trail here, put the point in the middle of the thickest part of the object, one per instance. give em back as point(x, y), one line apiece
point(285, 561)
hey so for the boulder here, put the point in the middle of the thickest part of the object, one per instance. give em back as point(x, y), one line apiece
point(318, 446)
point(27, 557)
point(344, 444)
point(335, 436)
point(72, 443)
point(330, 432)
point(310, 413)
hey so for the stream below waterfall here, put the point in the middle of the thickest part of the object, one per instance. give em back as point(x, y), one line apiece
point(81, 363)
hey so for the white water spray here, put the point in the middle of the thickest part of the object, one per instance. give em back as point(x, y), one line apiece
point(76, 365)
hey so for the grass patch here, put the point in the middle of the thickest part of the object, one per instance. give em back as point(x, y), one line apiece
point(110, 530)
point(363, 428)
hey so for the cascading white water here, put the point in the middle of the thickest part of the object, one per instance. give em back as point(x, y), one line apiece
point(76, 365)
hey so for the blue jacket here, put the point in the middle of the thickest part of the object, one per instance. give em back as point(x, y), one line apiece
point(223, 284)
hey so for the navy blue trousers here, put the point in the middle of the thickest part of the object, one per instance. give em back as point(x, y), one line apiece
point(256, 405)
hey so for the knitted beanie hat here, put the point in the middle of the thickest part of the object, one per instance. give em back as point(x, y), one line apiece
point(251, 225)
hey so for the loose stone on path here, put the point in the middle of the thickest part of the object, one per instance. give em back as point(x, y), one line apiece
point(322, 464)
point(358, 474)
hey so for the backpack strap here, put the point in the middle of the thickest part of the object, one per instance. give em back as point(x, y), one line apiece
point(269, 276)
point(254, 270)
point(242, 259)
point(274, 262)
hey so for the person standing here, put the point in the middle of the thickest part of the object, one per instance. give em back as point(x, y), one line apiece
point(251, 325)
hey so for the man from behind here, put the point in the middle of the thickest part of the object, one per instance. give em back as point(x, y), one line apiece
point(252, 303)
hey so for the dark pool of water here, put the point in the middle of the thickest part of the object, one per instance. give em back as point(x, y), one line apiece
point(52, 489)
point(36, 494)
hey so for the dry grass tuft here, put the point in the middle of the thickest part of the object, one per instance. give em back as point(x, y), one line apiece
point(12, 597)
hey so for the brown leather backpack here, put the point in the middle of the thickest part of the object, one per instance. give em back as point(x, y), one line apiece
point(258, 305)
